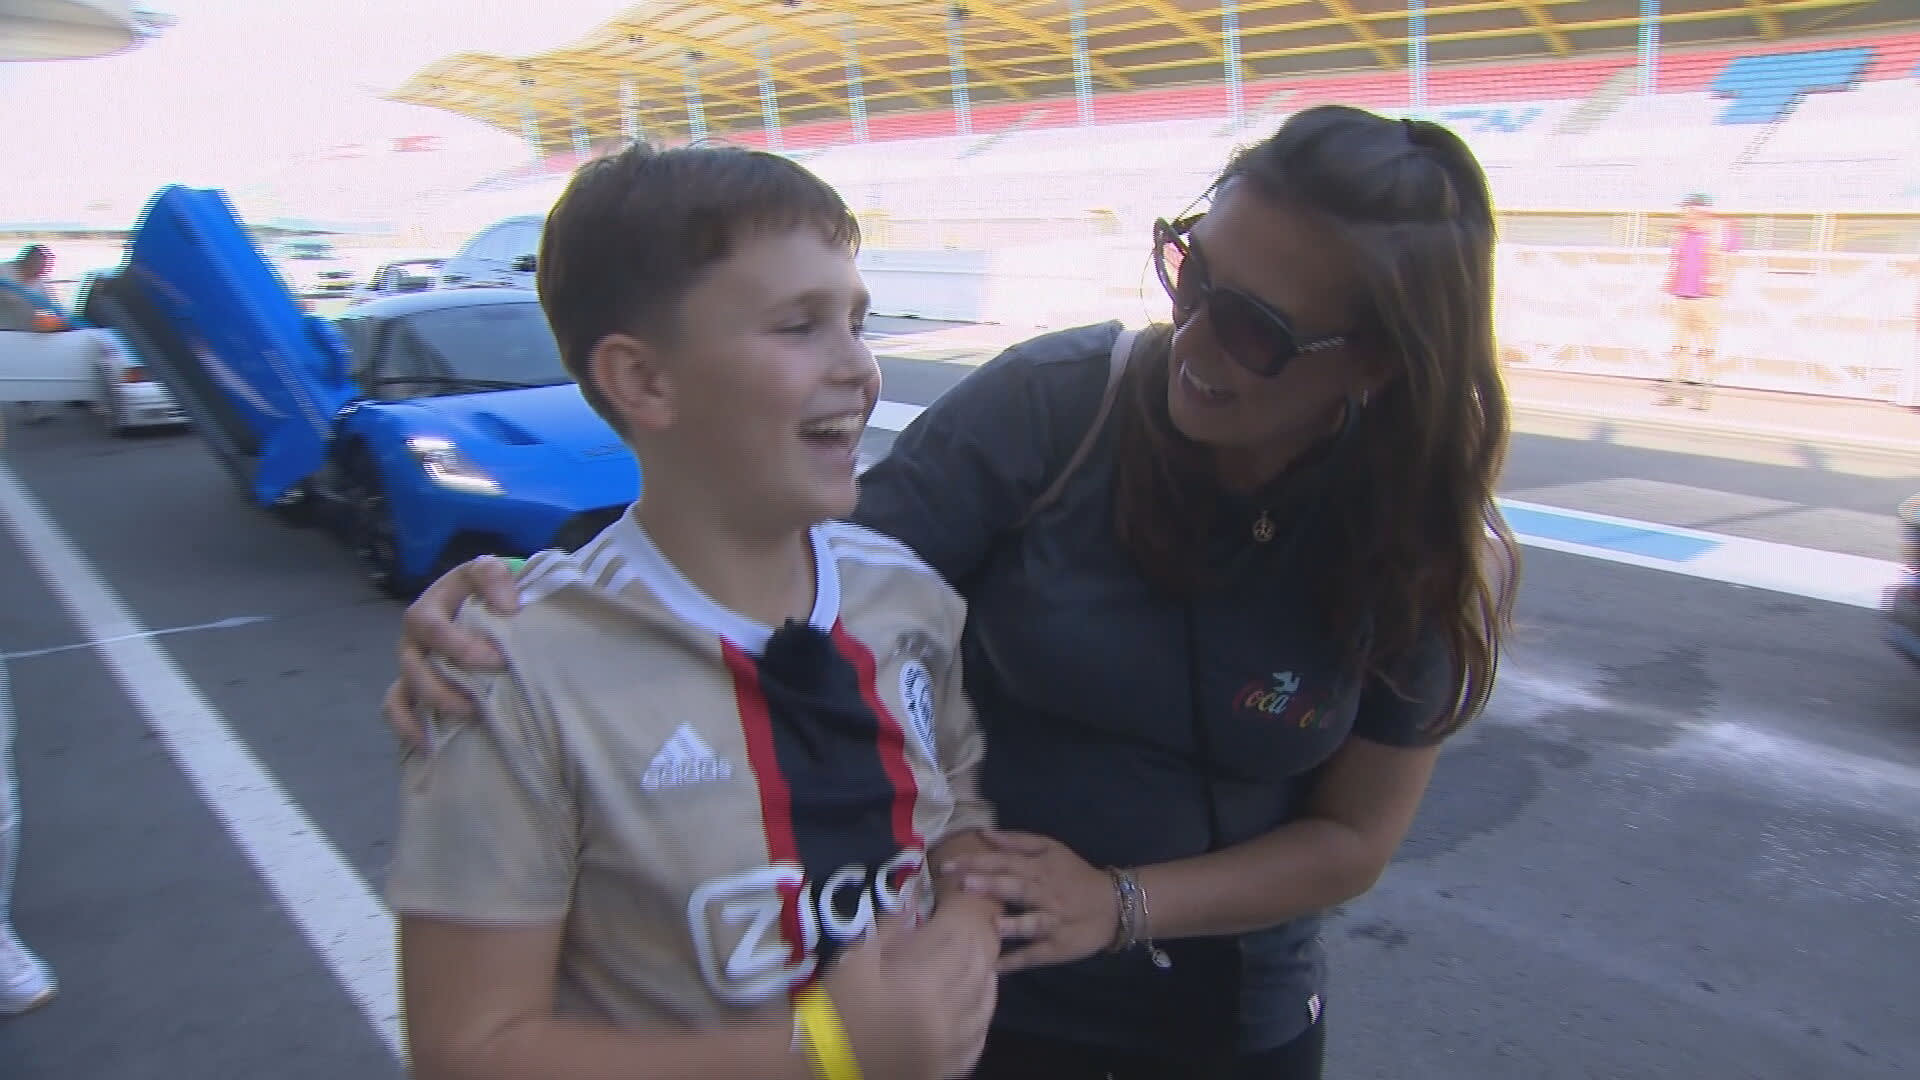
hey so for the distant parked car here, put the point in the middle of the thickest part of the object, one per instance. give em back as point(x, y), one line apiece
point(85, 365)
point(75, 360)
point(400, 278)
point(501, 255)
point(312, 267)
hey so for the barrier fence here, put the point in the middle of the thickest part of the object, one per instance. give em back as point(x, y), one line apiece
point(1816, 303)
point(1836, 324)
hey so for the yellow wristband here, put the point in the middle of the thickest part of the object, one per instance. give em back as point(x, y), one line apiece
point(825, 1036)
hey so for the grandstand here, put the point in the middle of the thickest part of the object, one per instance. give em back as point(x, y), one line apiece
point(1810, 127)
point(1773, 104)
point(1006, 156)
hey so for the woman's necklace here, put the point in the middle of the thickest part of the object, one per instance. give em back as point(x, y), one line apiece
point(1263, 527)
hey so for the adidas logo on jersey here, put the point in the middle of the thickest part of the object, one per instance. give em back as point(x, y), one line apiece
point(686, 759)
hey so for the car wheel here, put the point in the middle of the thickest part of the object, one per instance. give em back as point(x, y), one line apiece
point(370, 527)
point(111, 413)
point(298, 508)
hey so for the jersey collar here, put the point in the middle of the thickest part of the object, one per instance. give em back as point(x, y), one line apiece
point(689, 604)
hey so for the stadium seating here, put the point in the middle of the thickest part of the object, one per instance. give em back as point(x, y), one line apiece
point(1766, 88)
point(1813, 125)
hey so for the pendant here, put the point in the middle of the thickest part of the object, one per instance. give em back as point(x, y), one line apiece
point(1263, 529)
point(1160, 958)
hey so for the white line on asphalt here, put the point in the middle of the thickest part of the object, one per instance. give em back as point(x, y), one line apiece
point(222, 624)
point(323, 894)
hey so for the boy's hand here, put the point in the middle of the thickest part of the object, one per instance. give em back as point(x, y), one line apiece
point(916, 1000)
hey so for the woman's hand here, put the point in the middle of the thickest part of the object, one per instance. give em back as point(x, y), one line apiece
point(428, 630)
point(1068, 909)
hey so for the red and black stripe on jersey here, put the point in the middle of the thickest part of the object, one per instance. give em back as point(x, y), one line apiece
point(836, 792)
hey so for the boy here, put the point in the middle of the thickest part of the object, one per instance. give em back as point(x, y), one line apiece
point(680, 841)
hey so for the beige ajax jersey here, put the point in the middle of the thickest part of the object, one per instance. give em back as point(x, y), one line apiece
point(711, 807)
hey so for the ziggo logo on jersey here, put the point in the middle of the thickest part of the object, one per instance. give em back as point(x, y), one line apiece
point(754, 918)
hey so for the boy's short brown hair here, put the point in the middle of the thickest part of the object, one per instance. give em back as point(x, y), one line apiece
point(634, 231)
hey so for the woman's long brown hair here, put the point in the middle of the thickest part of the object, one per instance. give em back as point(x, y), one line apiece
point(1418, 545)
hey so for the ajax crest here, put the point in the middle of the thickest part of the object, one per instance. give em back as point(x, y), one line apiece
point(916, 692)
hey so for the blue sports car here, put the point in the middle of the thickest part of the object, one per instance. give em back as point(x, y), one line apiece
point(429, 428)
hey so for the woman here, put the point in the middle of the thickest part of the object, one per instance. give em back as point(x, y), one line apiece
point(1215, 670)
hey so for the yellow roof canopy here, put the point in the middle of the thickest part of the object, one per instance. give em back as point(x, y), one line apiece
point(1021, 50)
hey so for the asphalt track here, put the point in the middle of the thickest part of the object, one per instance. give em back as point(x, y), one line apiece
point(1682, 843)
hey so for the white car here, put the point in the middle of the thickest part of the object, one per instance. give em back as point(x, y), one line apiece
point(312, 267)
point(92, 365)
point(502, 255)
point(399, 278)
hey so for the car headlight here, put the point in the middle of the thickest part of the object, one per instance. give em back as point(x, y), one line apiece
point(447, 466)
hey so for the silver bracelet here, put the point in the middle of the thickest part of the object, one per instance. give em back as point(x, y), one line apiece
point(1126, 910)
point(1135, 922)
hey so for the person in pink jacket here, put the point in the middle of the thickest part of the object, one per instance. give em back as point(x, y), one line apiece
point(1696, 276)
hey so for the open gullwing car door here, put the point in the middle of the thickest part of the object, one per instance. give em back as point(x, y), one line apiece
point(262, 379)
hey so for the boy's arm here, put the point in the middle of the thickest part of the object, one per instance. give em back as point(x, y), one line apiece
point(483, 878)
point(911, 1002)
point(479, 1004)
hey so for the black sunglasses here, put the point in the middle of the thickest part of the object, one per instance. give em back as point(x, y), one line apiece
point(1257, 337)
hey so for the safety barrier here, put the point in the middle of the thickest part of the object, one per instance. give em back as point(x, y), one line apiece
point(1834, 324)
point(1843, 325)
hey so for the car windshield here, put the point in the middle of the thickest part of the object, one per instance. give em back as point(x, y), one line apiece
point(492, 343)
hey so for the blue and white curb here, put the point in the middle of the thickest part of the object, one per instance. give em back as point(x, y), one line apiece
point(1736, 560)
